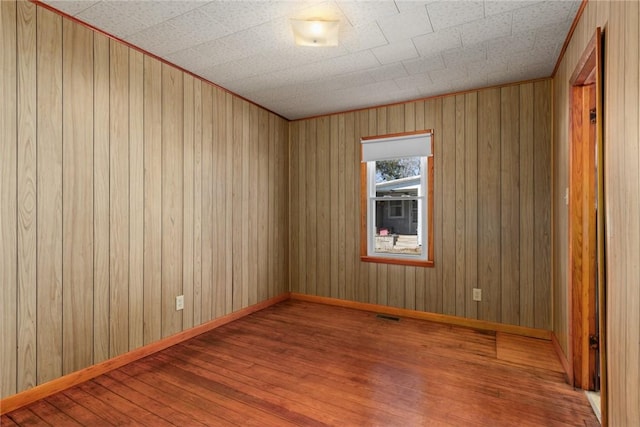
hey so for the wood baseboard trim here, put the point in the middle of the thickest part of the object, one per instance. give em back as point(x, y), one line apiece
point(432, 317)
point(31, 395)
point(566, 366)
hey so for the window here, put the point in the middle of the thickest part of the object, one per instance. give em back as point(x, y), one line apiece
point(396, 209)
point(397, 199)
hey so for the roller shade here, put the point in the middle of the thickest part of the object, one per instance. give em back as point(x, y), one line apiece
point(395, 147)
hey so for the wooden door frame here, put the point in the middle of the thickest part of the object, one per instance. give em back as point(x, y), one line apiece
point(586, 228)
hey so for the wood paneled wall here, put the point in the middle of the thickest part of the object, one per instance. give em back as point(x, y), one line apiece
point(124, 183)
point(492, 206)
point(620, 21)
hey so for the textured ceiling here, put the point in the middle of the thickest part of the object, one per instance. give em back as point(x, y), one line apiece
point(389, 51)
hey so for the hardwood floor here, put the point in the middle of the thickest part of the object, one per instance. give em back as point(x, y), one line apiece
point(300, 363)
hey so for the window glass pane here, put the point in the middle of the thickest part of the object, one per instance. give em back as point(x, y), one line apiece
point(397, 218)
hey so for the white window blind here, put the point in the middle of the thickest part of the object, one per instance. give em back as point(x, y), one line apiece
point(396, 147)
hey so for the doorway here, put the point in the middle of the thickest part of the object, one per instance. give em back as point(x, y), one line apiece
point(586, 225)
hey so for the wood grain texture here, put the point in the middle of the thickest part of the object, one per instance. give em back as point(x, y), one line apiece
point(118, 198)
point(197, 204)
point(236, 241)
point(172, 163)
point(49, 206)
point(510, 204)
point(244, 206)
point(8, 193)
point(447, 154)
point(207, 204)
point(230, 376)
point(101, 215)
point(464, 184)
point(619, 21)
point(542, 204)
point(114, 155)
point(471, 202)
point(262, 200)
point(461, 293)
point(222, 296)
point(152, 200)
point(489, 204)
point(136, 199)
point(323, 203)
point(188, 204)
point(526, 204)
point(77, 197)
point(252, 207)
point(27, 195)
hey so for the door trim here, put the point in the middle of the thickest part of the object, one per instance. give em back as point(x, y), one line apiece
point(586, 228)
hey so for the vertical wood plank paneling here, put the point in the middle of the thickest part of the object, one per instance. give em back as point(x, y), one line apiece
point(119, 198)
point(187, 208)
point(367, 286)
point(448, 202)
point(197, 203)
point(214, 191)
point(526, 205)
point(244, 206)
point(77, 197)
point(252, 207)
point(294, 206)
point(378, 126)
point(349, 207)
point(27, 195)
point(510, 204)
point(136, 199)
point(101, 160)
point(410, 271)
point(112, 142)
point(281, 133)
point(341, 222)
point(311, 208)
point(461, 293)
point(471, 202)
point(542, 204)
point(229, 213)
point(272, 211)
point(49, 207)
point(8, 195)
point(236, 240)
point(420, 272)
point(489, 204)
point(632, 222)
point(323, 203)
point(262, 201)
point(207, 204)
point(152, 200)
point(332, 178)
point(172, 163)
point(221, 203)
point(615, 186)
point(301, 141)
point(434, 110)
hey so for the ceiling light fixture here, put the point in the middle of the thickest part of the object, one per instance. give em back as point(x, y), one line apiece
point(315, 32)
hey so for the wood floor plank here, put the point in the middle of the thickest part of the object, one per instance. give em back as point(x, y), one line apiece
point(78, 412)
point(299, 363)
point(48, 412)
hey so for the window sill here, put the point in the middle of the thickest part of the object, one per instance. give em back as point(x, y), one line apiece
point(398, 261)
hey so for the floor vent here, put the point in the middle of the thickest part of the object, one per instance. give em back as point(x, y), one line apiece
point(387, 317)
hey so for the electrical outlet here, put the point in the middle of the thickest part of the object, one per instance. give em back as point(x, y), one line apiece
point(477, 294)
point(180, 302)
